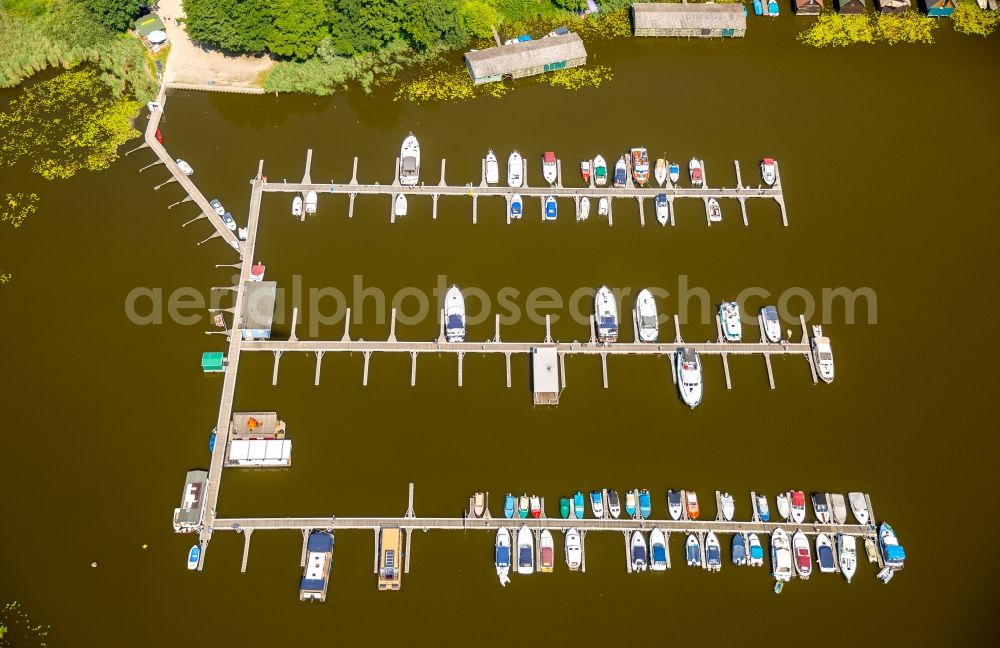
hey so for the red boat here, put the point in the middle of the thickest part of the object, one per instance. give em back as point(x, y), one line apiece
point(159, 136)
point(536, 507)
point(585, 170)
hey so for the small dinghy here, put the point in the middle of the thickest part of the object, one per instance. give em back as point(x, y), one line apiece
point(728, 506)
point(781, 556)
point(763, 512)
point(691, 503)
point(645, 507)
point(657, 550)
point(549, 167)
point(546, 552)
point(574, 550)
point(194, 555)
point(647, 321)
point(767, 171)
point(660, 171)
point(565, 506)
point(454, 315)
point(508, 506)
point(478, 504)
point(515, 168)
point(535, 508)
point(714, 211)
point(772, 325)
point(600, 171)
point(579, 506)
point(492, 168)
point(859, 507)
point(501, 555)
point(630, 503)
point(638, 553)
point(784, 510)
point(662, 209)
point(614, 506)
point(399, 207)
point(674, 172)
point(798, 505)
point(674, 505)
point(838, 508)
point(551, 209)
point(713, 552)
point(871, 551)
point(848, 550)
point(602, 207)
point(692, 551)
point(212, 439)
point(821, 508)
point(695, 172)
point(583, 212)
point(824, 553)
point(297, 206)
point(739, 549)
point(516, 207)
point(522, 507)
point(525, 551)
point(755, 552)
point(803, 557)
point(597, 503)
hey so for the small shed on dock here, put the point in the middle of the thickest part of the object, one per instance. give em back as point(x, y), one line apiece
point(526, 58)
point(808, 7)
point(689, 20)
point(258, 309)
point(939, 8)
point(213, 362)
point(545, 375)
point(187, 516)
point(850, 7)
point(892, 6)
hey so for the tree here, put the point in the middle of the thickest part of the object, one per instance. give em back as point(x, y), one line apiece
point(433, 22)
point(365, 25)
point(478, 17)
point(570, 5)
point(114, 14)
point(233, 25)
point(298, 27)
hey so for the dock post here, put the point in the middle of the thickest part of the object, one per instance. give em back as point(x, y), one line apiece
point(482, 172)
point(392, 326)
point(592, 174)
point(677, 330)
point(277, 360)
point(784, 214)
point(684, 508)
point(475, 202)
point(524, 171)
point(770, 373)
point(673, 368)
point(364, 378)
point(558, 173)
point(305, 544)
point(306, 177)
point(754, 513)
point(576, 208)
point(593, 329)
point(496, 336)
point(392, 208)
point(442, 183)
point(434, 206)
point(635, 326)
point(409, 502)
point(718, 506)
point(666, 538)
point(350, 205)
point(347, 325)
point(507, 213)
point(725, 369)
point(670, 208)
point(708, 212)
point(583, 551)
point(628, 557)
point(548, 330)
point(413, 368)
point(406, 554)
point(642, 215)
point(395, 177)
point(441, 327)
point(701, 544)
point(739, 179)
point(604, 368)
point(295, 319)
point(611, 214)
point(562, 369)
point(461, 355)
point(809, 355)
point(247, 531)
point(507, 358)
point(354, 173)
point(319, 364)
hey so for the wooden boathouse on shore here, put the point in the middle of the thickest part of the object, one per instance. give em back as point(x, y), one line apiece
point(939, 8)
point(689, 20)
point(808, 7)
point(526, 58)
point(850, 7)
point(892, 6)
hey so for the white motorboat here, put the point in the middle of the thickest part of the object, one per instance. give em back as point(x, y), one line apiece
point(781, 501)
point(606, 315)
point(662, 204)
point(798, 506)
point(657, 550)
point(399, 207)
point(767, 171)
point(409, 161)
point(821, 507)
point(803, 555)
point(515, 170)
point(230, 222)
point(492, 168)
point(217, 206)
point(729, 317)
point(585, 170)
point(674, 504)
point(638, 553)
point(550, 170)
point(602, 206)
point(257, 271)
point(755, 552)
point(621, 173)
point(516, 207)
point(838, 508)
point(614, 505)
point(822, 354)
point(696, 173)
point(525, 551)
point(454, 315)
point(713, 552)
point(297, 206)
point(824, 553)
point(311, 200)
point(714, 211)
point(574, 550)
point(546, 552)
point(781, 556)
point(859, 507)
point(772, 325)
point(194, 555)
point(692, 551)
point(646, 318)
point(689, 381)
point(673, 172)
point(728, 506)
point(184, 167)
point(501, 555)
point(600, 171)
point(660, 171)
point(597, 503)
point(847, 547)
point(551, 209)
point(583, 212)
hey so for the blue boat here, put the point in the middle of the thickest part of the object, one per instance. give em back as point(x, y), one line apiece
point(516, 207)
point(758, 9)
point(578, 505)
point(211, 441)
point(194, 555)
point(597, 503)
point(508, 506)
point(713, 552)
point(523, 38)
point(551, 211)
point(772, 7)
point(630, 503)
point(692, 551)
point(763, 511)
point(739, 549)
point(892, 552)
point(644, 506)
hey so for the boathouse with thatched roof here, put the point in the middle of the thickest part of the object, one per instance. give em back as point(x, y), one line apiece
point(688, 20)
point(850, 7)
point(892, 6)
point(526, 58)
point(808, 7)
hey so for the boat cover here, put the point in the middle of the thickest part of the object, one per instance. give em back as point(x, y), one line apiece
point(455, 322)
point(673, 498)
point(503, 556)
point(894, 553)
point(638, 552)
point(693, 552)
point(320, 542)
point(312, 584)
point(659, 553)
point(756, 552)
point(409, 163)
point(825, 556)
point(608, 322)
point(525, 556)
point(713, 555)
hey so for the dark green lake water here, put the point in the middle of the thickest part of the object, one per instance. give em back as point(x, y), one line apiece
point(888, 156)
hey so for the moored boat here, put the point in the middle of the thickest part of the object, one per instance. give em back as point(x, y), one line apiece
point(848, 549)
point(728, 506)
point(803, 556)
point(399, 207)
point(758, 8)
point(297, 206)
point(713, 553)
point(409, 161)
point(630, 501)
point(515, 170)
point(501, 555)
point(492, 168)
point(600, 171)
point(614, 506)
point(781, 556)
point(217, 206)
point(535, 508)
point(585, 170)
point(798, 506)
point(660, 171)
point(755, 553)
point(821, 507)
point(546, 552)
point(772, 8)
point(579, 505)
point(714, 211)
point(525, 551)
point(454, 315)
point(822, 354)
point(478, 504)
point(657, 550)
point(859, 507)
point(892, 552)
point(194, 555)
point(692, 551)
point(838, 508)
point(691, 504)
point(782, 502)
point(230, 222)
point(621, 172)
point(739, 549)
point(606, 315)
point(508, 506)
point(645, 507)
point(638, 553)
point(640, 165)
point(597, 503)
point(662, 208)
point(516, 207)
point(695, 172)
point(318, 563)
point(565, 505)
point(549, 167)
point(674, 504)
point(767, 171)
point(772, 325)
point(551, 209)
point(674, 172)
point(689, 380)
point(647, 321)
point(574, 550)
point(523, 506)
point(763, 512)
point(212, 439)
point(311, 202)
point(871, 551)
point(184, 167)
point(257, 271)
point(824, 553)
point(603, 206)
point(729, 317)
point(583, 212)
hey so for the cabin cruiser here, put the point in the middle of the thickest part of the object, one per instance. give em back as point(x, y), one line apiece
point(597, 504)
point(713, 552)
point(546, 552)
point(257, 271)
point(803, 557)
point(638, 552)
point(660, 171)
point(551, 209)
point(454, 315)
point(838, 508)
point(674, 504)
point(739, 549)
point(798, 499)
point(492, 168)
point(714, 211)
point(535, 509)
point(311, 201)
point(691, 504)
point(508, 506)
point(550, 169)
point(479, 504)
point(585, 171)
point(640, 165)
point(600, 171)
point(614, 506)
point(892, 552)
point(194, 555)
point(859, 507)
point(781, 556)
point(821, 508)
point(621, 172)
point(756, 551)
point(297, 206)
point(644, 504)
point(763, 512)
point(606, 315)
point(647, 321)
point(227, 218)
point(689, 376)
point(184, 167)
point(583, 211)
point(525, 551)
point(772, 325)
point(729, 317)
point(848, 549)
point(603, 206)
point(657, 550)
point(523, 506)
point(409, 161)
point(696, 173)
point(674, 172)
point(662, 209)
point(824, 553)
point(767, 171)
point(399, 207)
point(574, 550)
point(501, 555)
point(515, 168)
point(782, 502)
point(630, 503)
point(217, 206)
point(822, 354)
point(692, 551)
point(728, 506)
